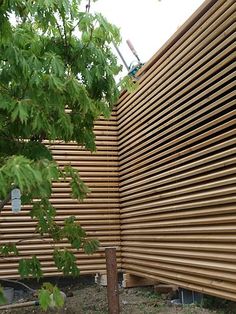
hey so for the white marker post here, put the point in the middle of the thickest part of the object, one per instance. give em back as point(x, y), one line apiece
point(16, 200)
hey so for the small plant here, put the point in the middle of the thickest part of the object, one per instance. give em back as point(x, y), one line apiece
point(50, 296)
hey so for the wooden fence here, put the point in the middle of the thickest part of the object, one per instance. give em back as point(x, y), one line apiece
point(98, 214)
point(170, 198)
point(177, 150)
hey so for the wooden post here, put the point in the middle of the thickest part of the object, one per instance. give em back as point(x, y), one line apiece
point(112, 281)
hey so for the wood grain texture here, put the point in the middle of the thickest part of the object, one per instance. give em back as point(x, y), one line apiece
point(177, 148)
point(163, 179)
point(98, 213)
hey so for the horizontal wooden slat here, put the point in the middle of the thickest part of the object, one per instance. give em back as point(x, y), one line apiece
point(196, 283)
point(163, 180)
point(194, 90)
point(99, 213)
point(153, 73)
point(177, 156)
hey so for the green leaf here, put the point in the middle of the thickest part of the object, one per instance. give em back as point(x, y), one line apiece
point(50, 297)
point(44, 299)
point(79, 189)
point(36, 270)
point(58, 298)
point(30, 268)
point(65, 261)
point(2, 297)
point(8, 250)
point(90, 246)
point(45, 213)
point(73, 232)
point(20, 111)
point(35, 150)
point(24, 268)
point(56, 63)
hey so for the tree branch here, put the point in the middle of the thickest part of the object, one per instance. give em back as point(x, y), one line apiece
point(65, 39)
point(59, 30)
point(74, 27)
point(5, 201)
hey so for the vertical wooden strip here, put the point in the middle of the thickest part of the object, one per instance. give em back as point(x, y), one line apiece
point(112, 281)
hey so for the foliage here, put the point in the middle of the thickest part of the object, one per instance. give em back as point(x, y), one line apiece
point(128, 83)
point(50, 296)
point(8, 249)
point(66, 262)
point(2, 297)
point(90, 245)
point(30, 267)
point(56, 78)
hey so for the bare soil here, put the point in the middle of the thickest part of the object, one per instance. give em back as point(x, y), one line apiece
point(90, 298)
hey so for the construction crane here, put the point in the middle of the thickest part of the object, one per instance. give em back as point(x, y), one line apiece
point(134, 66)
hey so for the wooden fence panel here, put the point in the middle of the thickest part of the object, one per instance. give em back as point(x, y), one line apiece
point(177, 145)
point(98, 214)
point(163, 179)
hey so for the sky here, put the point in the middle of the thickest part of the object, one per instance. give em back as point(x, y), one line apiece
point(147, 23)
